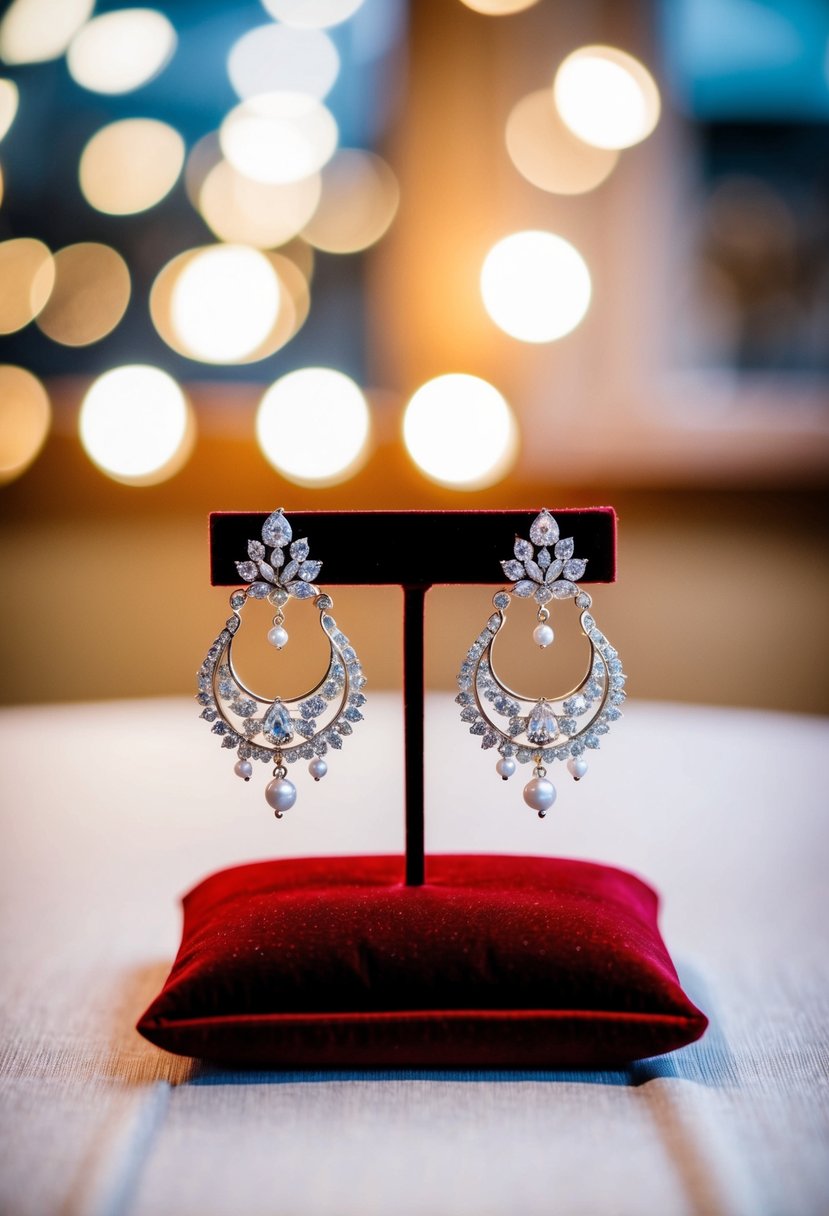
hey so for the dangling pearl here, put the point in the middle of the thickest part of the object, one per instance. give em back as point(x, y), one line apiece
point(243, 769)
point(280, 794)
point(540, 794)
point(577, 766)
point(505, 767)
point(278, 636)
point(543, 635)
point(318, 768)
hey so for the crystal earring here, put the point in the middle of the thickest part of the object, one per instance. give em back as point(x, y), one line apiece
point(541, 730)
point(279, 730)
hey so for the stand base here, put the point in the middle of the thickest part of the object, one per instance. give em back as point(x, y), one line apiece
point(495, 962)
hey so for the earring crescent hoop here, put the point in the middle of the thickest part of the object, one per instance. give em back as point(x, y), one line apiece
point(542, 730)
point(272, 729)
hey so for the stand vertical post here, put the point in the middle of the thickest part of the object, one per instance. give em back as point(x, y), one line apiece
point(414, 608)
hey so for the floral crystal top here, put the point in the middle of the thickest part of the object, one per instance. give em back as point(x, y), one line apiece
point(266, 571)
point(545, 575)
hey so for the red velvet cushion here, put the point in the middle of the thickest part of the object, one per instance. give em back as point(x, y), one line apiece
point(495, 962)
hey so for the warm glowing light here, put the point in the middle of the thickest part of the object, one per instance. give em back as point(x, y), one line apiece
point(359, 201)
point(312, 14)
point(275, 58)
point(499, 8)
point(9, 98)
point(27, 273)
point(35, 30)
point(25, 417)
point(130, 165)
point(294, 304)
point(606, 97)
point(535, 286)
point(279, 137)
point(136, 425)
point(246, 212)
point(313, 426)
point(90, 294)
point(225, 303)
point(460, 431)
point(548, 154)
point(118, 52)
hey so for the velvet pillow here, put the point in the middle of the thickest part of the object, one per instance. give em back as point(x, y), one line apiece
point(494, 962)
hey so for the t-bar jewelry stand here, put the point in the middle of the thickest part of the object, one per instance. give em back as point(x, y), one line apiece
point(415, 550)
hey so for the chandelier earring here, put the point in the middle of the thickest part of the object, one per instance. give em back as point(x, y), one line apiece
point(278, 730)
point(541, 730)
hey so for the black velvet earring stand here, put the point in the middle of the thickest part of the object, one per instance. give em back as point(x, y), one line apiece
point(415, 550)
point(450, 961)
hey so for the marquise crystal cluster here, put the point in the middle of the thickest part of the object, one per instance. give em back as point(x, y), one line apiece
point(541, 730)
point(275, 730)
point(544, 575)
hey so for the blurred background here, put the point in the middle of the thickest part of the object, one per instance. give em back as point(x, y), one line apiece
point(333, 254)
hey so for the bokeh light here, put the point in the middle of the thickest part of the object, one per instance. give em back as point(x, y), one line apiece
point(279, 137)
point(313, 426)
point(499, 8)
point(276, 58)
point(90, 294)
point(25, 417)
point(359, 200)
point(240, 210)
point(312, 14)
point(9, 98)
point(120, 51)
point(136, 425)
point(292, 274)
point(224, 303)
point(535, 286)
point(606, 97)
point(460, 431)
point(130, 165)
point(548, 154)
point(27, 274)
point(33, 31)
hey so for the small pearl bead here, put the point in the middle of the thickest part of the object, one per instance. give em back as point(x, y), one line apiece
point(280, 794)
point(577, 766)
point(505, 767)
point(278, 636)
point(540, 794)
point(543, 635)
point(318, 768)
point(243, 769)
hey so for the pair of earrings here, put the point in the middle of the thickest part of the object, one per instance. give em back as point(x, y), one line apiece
point(524, 730)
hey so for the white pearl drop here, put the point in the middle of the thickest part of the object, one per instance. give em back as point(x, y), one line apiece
point(543, 635)
point(280, 794)
point(505, 767)
point(243, 769)
point(577, 767)
point(318, 768)
point(278, 636)
point(540, 794)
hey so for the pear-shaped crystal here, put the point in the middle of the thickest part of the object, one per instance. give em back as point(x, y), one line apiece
point(542, 726)
point(276, 530)
point(544, 530)
point(277, 725)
